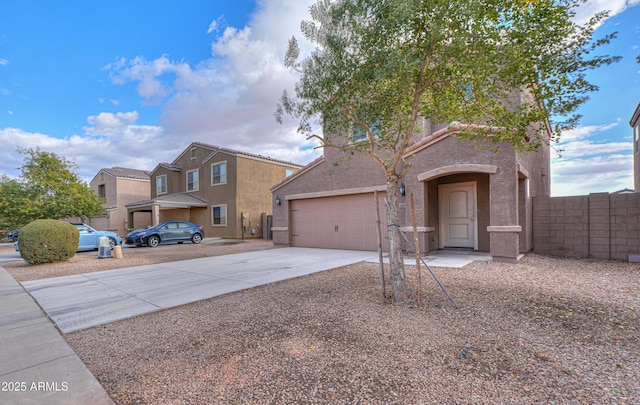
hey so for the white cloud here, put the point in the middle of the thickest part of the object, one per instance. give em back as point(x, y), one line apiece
point(229, 99)
point(589, 166)
point(597, 174)
point(127, 148)
point(105, 124)
point(591, 7)
point(584, 132)
point(3, 62)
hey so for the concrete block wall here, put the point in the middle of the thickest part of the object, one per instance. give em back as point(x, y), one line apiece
point(600, 225)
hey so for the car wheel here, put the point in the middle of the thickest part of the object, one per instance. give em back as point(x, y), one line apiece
point(196, 238)
point(112, 242)
point(153, 241)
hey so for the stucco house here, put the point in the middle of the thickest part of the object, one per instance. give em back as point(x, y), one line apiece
point(224, 190)
point(120, 186)
point(635, 126)
point(467, 197)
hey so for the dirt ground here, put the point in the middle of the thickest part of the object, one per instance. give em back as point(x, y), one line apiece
point(543, 330)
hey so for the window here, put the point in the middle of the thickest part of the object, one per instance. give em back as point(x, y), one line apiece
point(360, 134)
point(219, 173)
point(636, 132)
point(101, 191)
point(192, 180)
point(161, 184)
point(289, 172)
point(193, 153)
point(219, 215)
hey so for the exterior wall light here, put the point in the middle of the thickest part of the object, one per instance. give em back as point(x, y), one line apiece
point(402, 189)
point(278, 202)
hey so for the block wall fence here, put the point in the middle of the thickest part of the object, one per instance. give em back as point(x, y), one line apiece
point(599, 225)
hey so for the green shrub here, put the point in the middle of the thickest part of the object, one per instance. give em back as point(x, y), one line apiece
point(48, 241)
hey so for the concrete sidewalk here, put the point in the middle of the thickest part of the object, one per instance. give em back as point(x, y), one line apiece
point(37, 366)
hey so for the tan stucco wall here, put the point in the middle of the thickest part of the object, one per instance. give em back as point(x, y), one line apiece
point(119, 192)
point(498, 194)
point(253, 196)
point(246, 190)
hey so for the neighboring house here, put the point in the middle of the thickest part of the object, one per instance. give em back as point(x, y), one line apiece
point(635, 125)
point(466, 197)
point(224, 190)
point(120, 186)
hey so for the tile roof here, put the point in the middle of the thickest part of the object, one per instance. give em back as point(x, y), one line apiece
point(168, 199)
point(237, 152)
point(128, 173)
point(168, 166)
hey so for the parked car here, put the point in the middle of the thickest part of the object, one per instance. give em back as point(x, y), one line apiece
point(13, 235)
point(166, 232)
point(90, 238)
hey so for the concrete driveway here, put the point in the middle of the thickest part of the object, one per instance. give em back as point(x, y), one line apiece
point(86, 300)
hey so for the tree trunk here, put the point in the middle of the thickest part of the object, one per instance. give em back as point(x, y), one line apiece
point(396, 260)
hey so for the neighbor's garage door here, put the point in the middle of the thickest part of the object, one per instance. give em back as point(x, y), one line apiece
point(345, 222)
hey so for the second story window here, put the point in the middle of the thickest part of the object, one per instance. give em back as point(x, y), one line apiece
point(101, 191)
point(192, 180)
point(161, 184)
point(219, 173)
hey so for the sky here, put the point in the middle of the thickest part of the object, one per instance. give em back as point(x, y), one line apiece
point(133, 83)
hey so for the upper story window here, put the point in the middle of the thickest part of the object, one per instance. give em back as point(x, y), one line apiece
point(161, 184)
point(192, 180)
point(289, 172)
point(219, 173)
point(360, 134)
point(193, 153)
point(101, 191)
point(636, 135)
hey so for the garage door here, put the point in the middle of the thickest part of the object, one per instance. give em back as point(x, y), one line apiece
point(345, 222)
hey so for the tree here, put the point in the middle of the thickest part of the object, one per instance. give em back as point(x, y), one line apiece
point(380, 65)
point(49, 188)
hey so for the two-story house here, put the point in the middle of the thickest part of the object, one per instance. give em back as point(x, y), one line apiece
point(466, 197)
point(120, 186)
point(224, 190)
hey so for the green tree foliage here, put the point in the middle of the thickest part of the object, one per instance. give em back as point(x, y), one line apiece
point(48, 241)
point(49, 188)
point(510, 66)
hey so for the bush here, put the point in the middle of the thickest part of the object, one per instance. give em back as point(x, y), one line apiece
point(48, 241)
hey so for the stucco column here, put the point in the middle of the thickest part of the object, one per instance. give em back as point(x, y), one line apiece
point(155, 214)
point(504, 229)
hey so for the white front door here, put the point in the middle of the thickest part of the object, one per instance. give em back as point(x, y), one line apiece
point(458, 225)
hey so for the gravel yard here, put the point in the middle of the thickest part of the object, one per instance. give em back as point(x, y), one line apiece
point(544, 330)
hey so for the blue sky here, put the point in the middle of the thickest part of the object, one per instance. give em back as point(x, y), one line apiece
point(132, 83)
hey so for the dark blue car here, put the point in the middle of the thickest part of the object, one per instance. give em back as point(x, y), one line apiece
point(166, 232)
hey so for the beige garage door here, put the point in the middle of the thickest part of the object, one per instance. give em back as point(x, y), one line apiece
point(345, 222)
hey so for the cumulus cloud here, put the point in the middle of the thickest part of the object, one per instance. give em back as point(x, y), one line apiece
point(127, 148)
point(591, 7)
point(229, 99)
point(105, 124)
point(597, 174)
point(588, 166)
